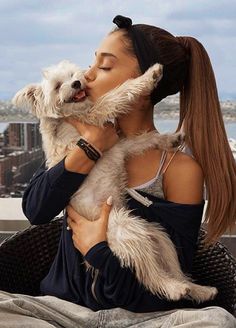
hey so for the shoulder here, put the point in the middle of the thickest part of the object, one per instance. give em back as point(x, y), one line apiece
point(183, 180)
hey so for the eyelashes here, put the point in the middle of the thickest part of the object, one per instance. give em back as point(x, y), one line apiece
point(105, 68)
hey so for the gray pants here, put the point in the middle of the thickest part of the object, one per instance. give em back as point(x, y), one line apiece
point(18, 310)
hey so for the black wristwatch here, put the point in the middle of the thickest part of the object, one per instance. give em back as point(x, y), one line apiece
point(90, 151)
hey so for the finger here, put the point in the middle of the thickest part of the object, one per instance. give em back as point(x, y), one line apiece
point(71, 120)
point(74, 215)
point(108, 123)
point(71, 224)
point(106, 208)
point(82, 125)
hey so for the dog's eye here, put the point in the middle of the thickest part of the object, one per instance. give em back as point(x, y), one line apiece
point(58, 85)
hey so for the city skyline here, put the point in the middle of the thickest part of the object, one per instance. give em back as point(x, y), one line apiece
point(41, 33)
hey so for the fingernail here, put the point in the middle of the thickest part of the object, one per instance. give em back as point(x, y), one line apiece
point(109, 200)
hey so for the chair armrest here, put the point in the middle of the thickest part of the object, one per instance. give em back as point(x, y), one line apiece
point(26, 257)
point(215, 266)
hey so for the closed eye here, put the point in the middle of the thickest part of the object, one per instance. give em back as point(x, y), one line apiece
point(58, 85)
point(105, 68)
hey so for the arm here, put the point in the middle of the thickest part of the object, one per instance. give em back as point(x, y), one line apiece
point(49, 191)
point(181, 221)
point(119, 286)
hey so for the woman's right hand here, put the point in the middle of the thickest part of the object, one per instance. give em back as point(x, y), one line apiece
point(101, 137)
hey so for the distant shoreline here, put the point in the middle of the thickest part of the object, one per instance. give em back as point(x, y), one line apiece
point(162, 116)
point(167, 109)
point(175, 116)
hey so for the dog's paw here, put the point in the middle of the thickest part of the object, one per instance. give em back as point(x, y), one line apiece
point(178, 290)
point(177, 139)
point(202, 293)
point(157, 73)
point(170, 141)
point(154, 74)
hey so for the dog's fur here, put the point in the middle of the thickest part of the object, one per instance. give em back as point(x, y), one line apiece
point(143, 246)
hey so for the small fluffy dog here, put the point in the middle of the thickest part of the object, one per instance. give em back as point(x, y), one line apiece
point(140, 245)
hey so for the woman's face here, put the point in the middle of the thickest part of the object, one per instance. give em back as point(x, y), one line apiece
point(112, 66)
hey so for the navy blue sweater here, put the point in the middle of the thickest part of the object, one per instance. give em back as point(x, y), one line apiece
point(49, 193)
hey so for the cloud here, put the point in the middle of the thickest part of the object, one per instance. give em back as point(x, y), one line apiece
point(35, 34)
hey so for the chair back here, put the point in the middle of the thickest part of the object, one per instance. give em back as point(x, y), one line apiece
point(215, 266)
point(26, 257)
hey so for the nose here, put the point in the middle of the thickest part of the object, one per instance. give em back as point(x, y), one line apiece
point(89, 74)
point(76, 84)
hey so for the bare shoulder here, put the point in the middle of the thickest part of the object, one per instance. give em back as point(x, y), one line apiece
point(183, 180)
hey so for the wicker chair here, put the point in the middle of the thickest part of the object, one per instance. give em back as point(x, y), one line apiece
point(25, 259)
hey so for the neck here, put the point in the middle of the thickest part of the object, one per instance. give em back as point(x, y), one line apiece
point(138, 120)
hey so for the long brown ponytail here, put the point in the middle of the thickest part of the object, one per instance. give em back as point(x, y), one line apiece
point(203, 124)
point(201, 118)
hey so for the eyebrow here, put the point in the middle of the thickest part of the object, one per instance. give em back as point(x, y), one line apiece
point(106, 54)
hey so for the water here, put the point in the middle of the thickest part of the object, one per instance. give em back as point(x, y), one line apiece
point(171, 125)
point(164, 126)
point(231, 130)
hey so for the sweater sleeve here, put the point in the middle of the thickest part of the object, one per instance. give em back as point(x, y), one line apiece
point(119, 283)
point(120, 286)
point(49, 192)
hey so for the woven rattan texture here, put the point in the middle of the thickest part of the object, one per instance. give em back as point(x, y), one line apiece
point(25, 259)
point(215, 266)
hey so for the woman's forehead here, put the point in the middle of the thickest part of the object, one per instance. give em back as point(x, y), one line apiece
point(112, 44)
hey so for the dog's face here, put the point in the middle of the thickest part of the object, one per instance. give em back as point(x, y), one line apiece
point(61, 93)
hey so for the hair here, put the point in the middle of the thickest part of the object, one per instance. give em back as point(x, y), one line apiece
point(200, 118)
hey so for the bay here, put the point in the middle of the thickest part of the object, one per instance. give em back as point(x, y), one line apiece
point(163, 125)
point(170, 126)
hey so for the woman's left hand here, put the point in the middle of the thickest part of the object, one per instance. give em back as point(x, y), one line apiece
point(85, 233)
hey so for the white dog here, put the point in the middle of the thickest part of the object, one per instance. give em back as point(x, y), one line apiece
point(140, 245)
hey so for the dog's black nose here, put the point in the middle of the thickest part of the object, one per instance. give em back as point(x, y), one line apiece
point(76, 84)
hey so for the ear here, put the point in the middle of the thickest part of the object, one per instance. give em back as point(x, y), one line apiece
point(30, 97)
point(45, 73)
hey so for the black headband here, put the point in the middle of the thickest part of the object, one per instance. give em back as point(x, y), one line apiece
point(144, 51)
point(147, 55)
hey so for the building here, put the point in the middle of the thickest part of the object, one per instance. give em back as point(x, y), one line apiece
point(22, 136)
point(5, 173)
point(21, 154)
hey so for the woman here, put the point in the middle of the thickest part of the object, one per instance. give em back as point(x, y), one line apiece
point(174, 180)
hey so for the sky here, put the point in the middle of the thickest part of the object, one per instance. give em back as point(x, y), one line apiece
point(38, 33)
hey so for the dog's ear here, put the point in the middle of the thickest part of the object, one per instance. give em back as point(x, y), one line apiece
point(30, 97)
point(45, 73)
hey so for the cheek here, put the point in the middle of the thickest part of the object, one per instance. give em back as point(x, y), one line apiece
point(108, 85)
point(108, 82)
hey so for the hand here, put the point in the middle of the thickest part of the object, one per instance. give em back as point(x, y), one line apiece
point(101, 137)
point(85, 233)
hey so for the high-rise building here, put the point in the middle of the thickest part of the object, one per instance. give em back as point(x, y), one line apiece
point(22, 135)
point(21, 154)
